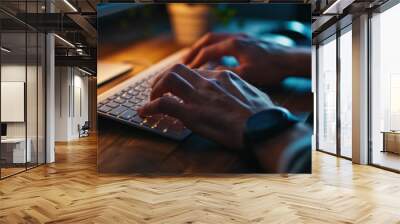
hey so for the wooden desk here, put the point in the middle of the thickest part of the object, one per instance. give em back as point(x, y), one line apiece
point(391, 141)
point(123, 149)
point(16, 154)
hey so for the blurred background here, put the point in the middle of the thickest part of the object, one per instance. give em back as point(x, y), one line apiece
point(120, 24)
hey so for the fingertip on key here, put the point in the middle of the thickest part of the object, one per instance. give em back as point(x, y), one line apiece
point(141, 111)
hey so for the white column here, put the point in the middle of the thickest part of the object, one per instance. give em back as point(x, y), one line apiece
point(63, 101)
point(50, 104)
point(360, 90)
point(50, 92)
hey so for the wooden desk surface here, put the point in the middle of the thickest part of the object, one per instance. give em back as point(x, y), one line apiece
point(123, 149)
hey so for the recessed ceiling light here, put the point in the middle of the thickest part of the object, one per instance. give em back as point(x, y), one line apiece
point(337, 7)
point(65, 41)
point(84, 71)
point(70, 5)
point(5, 50)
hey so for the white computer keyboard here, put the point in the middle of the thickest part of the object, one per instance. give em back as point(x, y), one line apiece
point(122, 101)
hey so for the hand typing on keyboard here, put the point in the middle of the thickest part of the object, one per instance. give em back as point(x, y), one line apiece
point(254, 56)
point(214, 104)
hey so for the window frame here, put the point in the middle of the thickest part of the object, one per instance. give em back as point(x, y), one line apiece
point(333, 37)
point(378, 10)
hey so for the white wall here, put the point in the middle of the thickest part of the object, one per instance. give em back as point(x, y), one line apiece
point(81, 82)
point(62, 81)
point(71, 87)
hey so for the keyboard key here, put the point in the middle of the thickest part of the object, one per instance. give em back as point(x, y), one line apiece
point(112, 104)
point(119, 100)
point(112, 97)
point(126, 96)
point(140, 88)
point(143, 102)
point(137, 119)
point(104, 101)
point(126, 89)
point(128, 104)
point(128, 114)
point(136, 107)
point(146, 94)
point(135, 101)
point(133, 92)
point(104, 109)
point(141, 96)
point(117, 111)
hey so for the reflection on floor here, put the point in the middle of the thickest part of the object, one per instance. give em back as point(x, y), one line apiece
point(386, 159)
point(71, 191)
point(12, 169)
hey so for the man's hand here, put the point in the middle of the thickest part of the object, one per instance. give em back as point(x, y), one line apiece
point(260, 63)
point(214, 104)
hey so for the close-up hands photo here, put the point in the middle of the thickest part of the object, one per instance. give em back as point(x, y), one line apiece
point(233, 86)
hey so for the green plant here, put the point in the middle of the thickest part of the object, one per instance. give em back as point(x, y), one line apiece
point(223, 14)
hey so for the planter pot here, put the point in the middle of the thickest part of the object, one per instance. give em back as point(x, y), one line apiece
point(189, 21)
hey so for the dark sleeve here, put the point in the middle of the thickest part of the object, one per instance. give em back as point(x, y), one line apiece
point(310, 120)
point(297, 157)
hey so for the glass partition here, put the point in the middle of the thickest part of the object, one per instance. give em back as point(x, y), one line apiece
point(23, 92)
point(346, 92)
point(385, 89)
point(327, 96)
point(15, 150)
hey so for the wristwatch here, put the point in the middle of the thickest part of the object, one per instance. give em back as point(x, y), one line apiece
point(266, 124)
